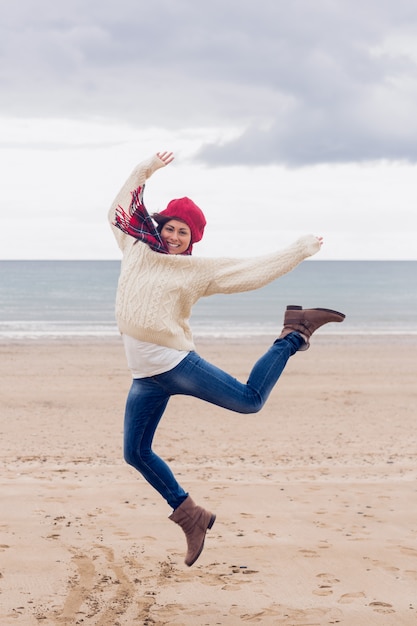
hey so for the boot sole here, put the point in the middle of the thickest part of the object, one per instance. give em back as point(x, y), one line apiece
point(211, 522)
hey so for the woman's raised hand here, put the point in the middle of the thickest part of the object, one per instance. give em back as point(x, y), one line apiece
point(166, 157)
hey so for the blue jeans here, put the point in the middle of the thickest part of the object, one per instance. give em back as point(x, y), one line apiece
point(148, 398)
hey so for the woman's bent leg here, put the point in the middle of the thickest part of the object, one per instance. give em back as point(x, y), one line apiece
point(267, 370)
point(145, 405)
point(196, 377)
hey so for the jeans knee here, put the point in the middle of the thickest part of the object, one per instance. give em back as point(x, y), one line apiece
point(129, 457)
point(256, 403)
point(252, 407)
point(133, 458)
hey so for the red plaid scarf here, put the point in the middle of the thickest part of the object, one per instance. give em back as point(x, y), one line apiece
point(138, 223)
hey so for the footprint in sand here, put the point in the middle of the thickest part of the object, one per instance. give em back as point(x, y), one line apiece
point(348, 598)
point(382, 565)
point(98, 589)
point(382, 607)
point(326, 584)
point(309, 554)
point(323, 590)
point(289, 616)
point(270, 535)
point(408, 551)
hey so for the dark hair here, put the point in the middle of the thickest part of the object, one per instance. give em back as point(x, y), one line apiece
point(160, 221)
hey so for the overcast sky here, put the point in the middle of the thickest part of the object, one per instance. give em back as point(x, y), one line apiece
point(285, 118)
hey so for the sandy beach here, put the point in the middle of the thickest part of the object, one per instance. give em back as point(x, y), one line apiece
point(315, 496)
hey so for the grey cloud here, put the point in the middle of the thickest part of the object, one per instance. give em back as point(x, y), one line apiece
point(303, 80)
point(302, 146)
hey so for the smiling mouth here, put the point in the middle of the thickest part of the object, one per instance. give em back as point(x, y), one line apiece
point(173, 247)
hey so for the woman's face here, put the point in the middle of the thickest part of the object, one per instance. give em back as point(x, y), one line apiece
point(176, 235)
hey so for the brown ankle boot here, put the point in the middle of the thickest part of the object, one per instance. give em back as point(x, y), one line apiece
point(306, 321)
point(194, 521)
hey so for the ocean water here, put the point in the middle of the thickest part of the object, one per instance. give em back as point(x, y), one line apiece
point(40, 299)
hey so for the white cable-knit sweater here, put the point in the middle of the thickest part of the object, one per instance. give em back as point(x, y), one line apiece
point(156, 291)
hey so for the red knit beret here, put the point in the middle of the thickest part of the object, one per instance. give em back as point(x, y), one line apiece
point(187, 211)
